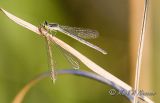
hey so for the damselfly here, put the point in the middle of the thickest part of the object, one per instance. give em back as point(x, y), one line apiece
point(75, 33)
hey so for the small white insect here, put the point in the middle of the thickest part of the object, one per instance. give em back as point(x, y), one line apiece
point(77, 34)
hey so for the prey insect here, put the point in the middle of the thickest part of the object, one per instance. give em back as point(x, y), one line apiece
point(73, 32)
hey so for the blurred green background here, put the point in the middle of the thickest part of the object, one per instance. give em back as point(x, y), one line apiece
point(23, 54)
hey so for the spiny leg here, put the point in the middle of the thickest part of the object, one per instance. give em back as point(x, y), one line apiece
point(49, 53)
point(50, 59)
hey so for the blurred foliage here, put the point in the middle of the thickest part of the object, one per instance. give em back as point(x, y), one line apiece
point(156, 48)
point(23, 54)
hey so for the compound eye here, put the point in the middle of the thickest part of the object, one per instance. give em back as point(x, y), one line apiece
point(45, 23)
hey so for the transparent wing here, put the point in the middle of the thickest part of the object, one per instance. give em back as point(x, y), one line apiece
point(70, 58)
point(81, 32)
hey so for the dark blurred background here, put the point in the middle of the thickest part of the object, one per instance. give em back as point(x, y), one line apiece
point(23, 54)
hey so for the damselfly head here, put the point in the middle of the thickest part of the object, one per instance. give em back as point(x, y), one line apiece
point(50, 26)
point(45, 24)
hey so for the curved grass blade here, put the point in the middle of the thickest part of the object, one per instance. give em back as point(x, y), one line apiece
point(21, 94)
point(140, 50)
